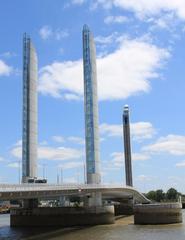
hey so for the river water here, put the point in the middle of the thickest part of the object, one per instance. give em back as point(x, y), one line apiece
point(123, 229)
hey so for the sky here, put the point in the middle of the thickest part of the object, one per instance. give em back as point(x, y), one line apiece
point(140, 62)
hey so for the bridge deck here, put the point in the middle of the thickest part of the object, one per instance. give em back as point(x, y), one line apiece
point(28, 191)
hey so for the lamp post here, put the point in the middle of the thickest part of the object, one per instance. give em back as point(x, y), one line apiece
point(61, 175)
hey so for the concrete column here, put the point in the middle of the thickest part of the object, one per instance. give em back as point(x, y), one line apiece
point(29, 136)
point(93, 200)
point(62, 200)
point(30, 203)
point(127, 146)
point(91, 114)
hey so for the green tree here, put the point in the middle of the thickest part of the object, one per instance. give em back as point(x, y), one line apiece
point(172, 194)
point(160, 195)
point(151, 195)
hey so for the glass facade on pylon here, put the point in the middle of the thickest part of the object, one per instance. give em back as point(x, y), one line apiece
point(91, 106)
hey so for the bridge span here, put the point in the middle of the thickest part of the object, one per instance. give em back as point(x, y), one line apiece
point(30, 191)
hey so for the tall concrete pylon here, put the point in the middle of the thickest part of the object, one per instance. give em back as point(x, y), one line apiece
point(29, 135)
point(127, 146)
point(91, 113)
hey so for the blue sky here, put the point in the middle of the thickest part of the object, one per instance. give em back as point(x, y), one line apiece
point(140, 62)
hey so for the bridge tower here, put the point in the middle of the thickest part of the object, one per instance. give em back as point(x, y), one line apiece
point(127, 146)
point(91, 112)
point(29, 136)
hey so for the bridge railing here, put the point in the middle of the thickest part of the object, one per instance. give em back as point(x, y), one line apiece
point(29, 187)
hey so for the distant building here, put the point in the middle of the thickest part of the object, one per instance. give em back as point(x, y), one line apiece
point(127, 146)
point(91, 108)
point(29, 137)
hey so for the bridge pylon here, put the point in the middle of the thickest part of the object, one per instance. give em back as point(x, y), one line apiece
point(127, 146)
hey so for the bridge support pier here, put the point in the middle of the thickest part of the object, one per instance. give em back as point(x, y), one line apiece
point(92, 200)
point(124, 208)
point(160, 213)
point(30, 203)
point(62, 216)
point(62, 201)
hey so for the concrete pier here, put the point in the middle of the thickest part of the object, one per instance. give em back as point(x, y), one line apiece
point(164, 213)
point(62, 216)
point(122, 209)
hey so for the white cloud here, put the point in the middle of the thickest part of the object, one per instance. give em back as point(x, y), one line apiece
point(139, 131)
point(18, 143)
point(59, 34)
point(47, 32)
point(147, 8)
point(140, 156)
point(104, 40)
point(171, 144)
point(71, 165)
point(52, 153)
point(117, 160)
point(180, 164)
point(111, 130)
point(14, 165)
point(159, 23)
point(73, 139)
point(43, 143)
point(8, 54)
point(116, 19)
point(60, 77)
point(1, 159)
point(73, 2)
point(71, 97)
point(125, 72)
point(60, 153)
point(5, 70)
point(166, 21)
point(58, 139)
point(142, 130)
point(143, 178)
point(78, 2)
point(17, 152)
point(77, 140)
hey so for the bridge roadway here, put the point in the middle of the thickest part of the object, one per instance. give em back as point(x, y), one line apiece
point(31, 191)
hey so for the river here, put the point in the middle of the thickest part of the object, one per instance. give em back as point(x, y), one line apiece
point(123, 229)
